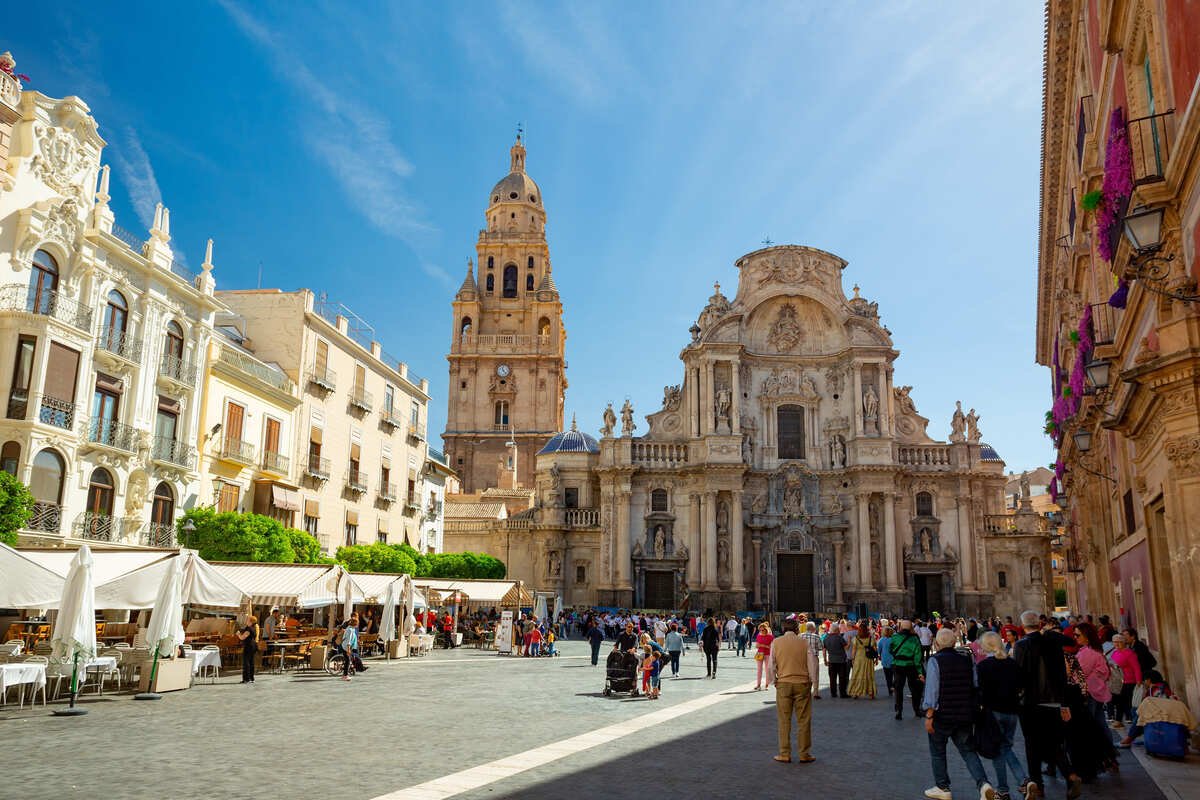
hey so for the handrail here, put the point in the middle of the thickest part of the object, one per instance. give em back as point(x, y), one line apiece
point(173, 451)
point(175, 368)
point(120, 343)
point(47, 303)
point(249, 365)
point(111, 433)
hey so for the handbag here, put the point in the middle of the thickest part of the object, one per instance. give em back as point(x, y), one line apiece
point(758, 656)
point(986, 733)
point(1116, 678)
point(872, 653)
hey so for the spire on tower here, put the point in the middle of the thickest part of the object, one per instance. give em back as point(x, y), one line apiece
point(518, 154)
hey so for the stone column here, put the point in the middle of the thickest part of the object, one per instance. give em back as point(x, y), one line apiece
point(621, 557)
point(862, 532)
point(857, 403)
point(695, 556)
point(889, 542)
point(757, 543)
point(735, 415)
point(708, 535)
point(706, 399)
point(696, 390)
point(966, 541)
point(837, 571)
point(737, 559)
point(887, 404)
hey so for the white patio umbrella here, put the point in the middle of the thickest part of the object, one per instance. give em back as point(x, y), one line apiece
point(74, 634)
point(166, 622)
point(387, 626)
point(410, 611)
point(347, 596)
point(539, 608)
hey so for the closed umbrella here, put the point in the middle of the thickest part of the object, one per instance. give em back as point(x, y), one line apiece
point(166, 621)
point(410, 611)
point(347, 596)
point(387, 626)
point(75, 628)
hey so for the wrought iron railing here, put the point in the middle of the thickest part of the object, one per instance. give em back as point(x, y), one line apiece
point(392, 418)
point(101, 527)
point(317, 467)
point(275, 462)
point(183, 272)
point(158, 534)
point(1150, 140)
point(120, 343)
point(387, 492)
point(20, 297)
point(356, 481)
point(251, 366)
point(237, 450)
point(135, 243)
point(175, 368)
point(172, 451)
point(56, 412)
point(361, 399)
point(111, 433)
point(47, 517)
point(416, 432)
point(322, 377)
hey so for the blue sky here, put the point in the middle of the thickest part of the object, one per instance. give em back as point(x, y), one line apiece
point(350, 148)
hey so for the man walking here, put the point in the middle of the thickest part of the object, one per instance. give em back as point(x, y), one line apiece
point(907, 667)
point(743, 636)
point(813, 641)
point(1043, 715)
point(793, 693)
point(925, 634)
point(595, 639)
point(674, 644)
point(835, 661)
point(950, 682)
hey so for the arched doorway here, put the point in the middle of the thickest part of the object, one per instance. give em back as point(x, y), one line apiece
point(43, 284)
point(161, 532)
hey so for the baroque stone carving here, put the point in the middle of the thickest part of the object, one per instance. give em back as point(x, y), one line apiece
point(973, 434)
point(671, 397)
point(1184, 455)
point(833, 380)
point(787, 332)
point(627, 423)
point(718, 306)
point(610, 421)
point(958, 424)
point(60, 159)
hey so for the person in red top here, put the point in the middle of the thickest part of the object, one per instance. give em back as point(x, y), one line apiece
point(1131, 670)
point(762, 651)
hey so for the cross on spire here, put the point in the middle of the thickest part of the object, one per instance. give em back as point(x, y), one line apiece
point(767, 241)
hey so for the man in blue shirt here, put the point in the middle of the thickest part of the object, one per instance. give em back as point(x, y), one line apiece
point(349, 644)
point(950, 682)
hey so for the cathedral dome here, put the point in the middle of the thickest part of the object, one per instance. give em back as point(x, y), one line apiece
point(516, 186)
point(572, 441)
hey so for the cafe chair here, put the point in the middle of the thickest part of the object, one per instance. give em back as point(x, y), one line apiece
point(212, 670)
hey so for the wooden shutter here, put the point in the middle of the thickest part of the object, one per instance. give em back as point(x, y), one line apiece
point(234, 415)
point(62, 369)
point(271, 443)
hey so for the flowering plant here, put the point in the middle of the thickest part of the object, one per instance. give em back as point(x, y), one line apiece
point(1118, 183)
point(8, 66)
point(1091, 200)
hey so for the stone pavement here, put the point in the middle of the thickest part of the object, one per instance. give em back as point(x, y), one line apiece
point(417, 720)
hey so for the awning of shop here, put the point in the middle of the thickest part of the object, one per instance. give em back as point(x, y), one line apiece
point(285, 499)
point(351, 517)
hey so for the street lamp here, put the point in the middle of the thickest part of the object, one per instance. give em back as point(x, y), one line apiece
point(1083, 439)
point(1143, 228)
point(189, 527)
point(1097, 373)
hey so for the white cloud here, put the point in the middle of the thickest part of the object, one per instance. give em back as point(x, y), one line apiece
point(354, 142)
point(137, 176)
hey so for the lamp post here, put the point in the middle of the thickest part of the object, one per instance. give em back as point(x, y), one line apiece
point(1143, 228)
point(189, 527)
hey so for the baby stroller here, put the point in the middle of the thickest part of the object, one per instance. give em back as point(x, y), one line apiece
point(621, 673)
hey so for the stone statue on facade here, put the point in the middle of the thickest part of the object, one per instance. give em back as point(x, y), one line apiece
point(904, 402)
point(748, 448)
point(870, 403)
point(1035, 570)
point(958, 424)
point(555, 564)
point(724, 403)
point(681, 552)
point(660, 542)
point(610, 422)
point(723, 554)
point(1025, 490)
point(837, 451)
point(722, 517)
point(973, 434)
point(671, 397)
point(926, 543)
point(627, 423)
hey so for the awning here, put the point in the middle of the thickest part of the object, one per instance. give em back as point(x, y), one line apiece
point(312, 508)
point(314, 435)
point(286, 585)
point(203, 585)
point(106, 564)
point(285, 499)
point(374, 586)
point(24, 583)
point(498, 593)
point(383, 525)
point(351, 517)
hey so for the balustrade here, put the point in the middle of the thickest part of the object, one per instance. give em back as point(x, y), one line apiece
point(582, 517)
point(660, 454)
point(933, 455)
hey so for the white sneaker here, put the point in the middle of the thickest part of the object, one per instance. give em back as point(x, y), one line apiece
point(934, 793)
point(986, 792)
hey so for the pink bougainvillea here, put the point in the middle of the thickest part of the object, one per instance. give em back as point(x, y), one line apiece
point(1053, 490)
point(1085, 330)
point(1118, 184)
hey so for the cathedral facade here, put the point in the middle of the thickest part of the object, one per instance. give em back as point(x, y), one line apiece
point(784, 471)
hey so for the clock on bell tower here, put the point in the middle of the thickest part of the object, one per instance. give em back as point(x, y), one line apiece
point(507, 370)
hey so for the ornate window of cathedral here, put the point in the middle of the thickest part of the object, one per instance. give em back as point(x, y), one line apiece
point(924, 504)
point(790, 429)
point(501, 419)
point(464, 330)
point(529, 282)
point(510, 280)
point(491, 283)
point(658, 500)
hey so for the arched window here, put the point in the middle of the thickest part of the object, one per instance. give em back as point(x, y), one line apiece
point(543, 327)
point(464, 329)
point(491, 262)
point(46, 478)
point(43, 283)
point(491, 283)
point(529, 282)
point(10, 458)
point(924, 504)
point(580, 574)
point(174, 343)
point(163, 511)
point(790, 429)
point(501, 418)
point(116, 315)
point(658, 500)
point(510, 280)
point(1002, 579)
point(100, 492)
point(530, 262)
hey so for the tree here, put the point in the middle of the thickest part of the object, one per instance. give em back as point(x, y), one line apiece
point(377, 557)
point(306, 547)
point(230, 536)
point(462, 565)
point(16, 507)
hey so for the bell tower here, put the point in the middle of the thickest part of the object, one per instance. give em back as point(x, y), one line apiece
point(507, 371)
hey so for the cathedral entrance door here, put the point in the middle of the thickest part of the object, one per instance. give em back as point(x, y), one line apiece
point(794, 586)
point(660, 589)
point(928, 594)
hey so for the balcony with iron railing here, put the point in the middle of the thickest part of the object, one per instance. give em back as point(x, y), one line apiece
point(238, 451)
point(46, 517)
point(251, 366)
point(361, 399)
point(171, 451)
point(317, 468)
point(121, 344)
point(392, 418)
point(158, 534)
point(112, 434)
point(1150, 141)
point(175, 368)
point(47, 303)
point(276, 463)
point(322, 377)
point(416, 432)
point(387, 492)
point(131, 240)
point(102, 527)
point(1106, 321)
point(356, 481)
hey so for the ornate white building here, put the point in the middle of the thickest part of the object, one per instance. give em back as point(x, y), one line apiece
point(102, 333)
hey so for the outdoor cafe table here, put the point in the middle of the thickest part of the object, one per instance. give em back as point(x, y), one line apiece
point(281, 645)
point(100, 665)
point(205, 658)
point(19, 674)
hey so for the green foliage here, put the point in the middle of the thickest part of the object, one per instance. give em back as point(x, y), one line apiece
point(16, 507)
point(377, 557)
point(306, 547)
point(1091, 200)
point(230, 536)
point(462, 565)
point(1060, 598)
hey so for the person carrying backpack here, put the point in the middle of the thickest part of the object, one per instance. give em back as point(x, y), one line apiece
point(907, 667)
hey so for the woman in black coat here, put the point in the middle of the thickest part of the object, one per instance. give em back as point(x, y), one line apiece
point(710, 640)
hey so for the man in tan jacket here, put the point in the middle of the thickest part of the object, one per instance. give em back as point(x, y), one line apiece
point(793, 692)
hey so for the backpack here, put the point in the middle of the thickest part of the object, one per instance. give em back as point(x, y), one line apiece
point(1116, 678)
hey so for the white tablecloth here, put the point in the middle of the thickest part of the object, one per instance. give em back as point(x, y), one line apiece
point(205, 658)
point(13, 649)
point(21, 672)
point(100, 664)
